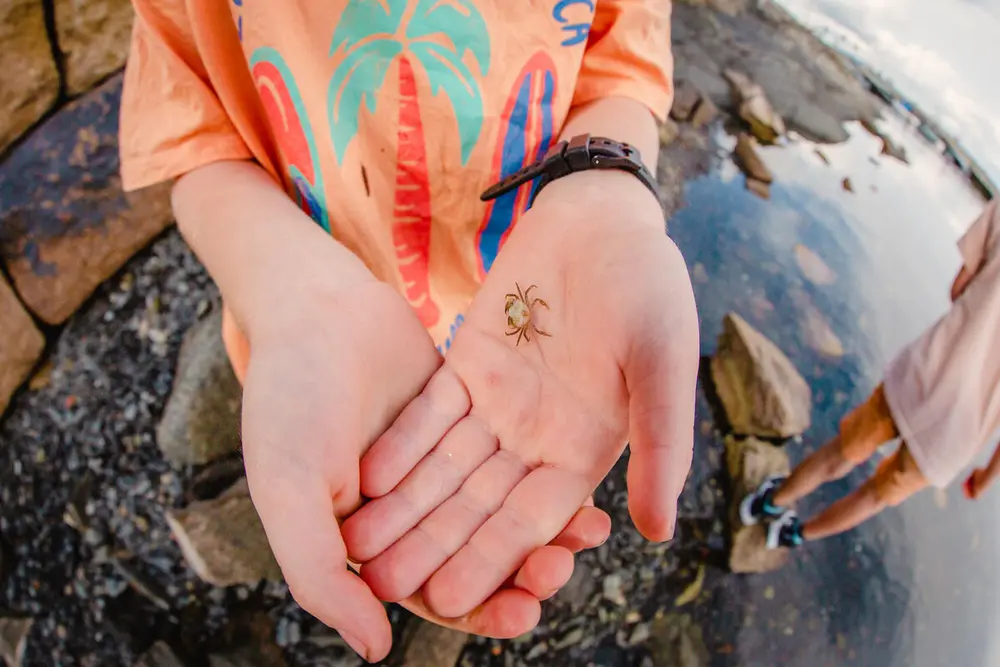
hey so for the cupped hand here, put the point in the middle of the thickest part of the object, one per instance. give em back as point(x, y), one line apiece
point(509, 438)
point(327, 375)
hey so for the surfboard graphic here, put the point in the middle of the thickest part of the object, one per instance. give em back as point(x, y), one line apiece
point(524, 137)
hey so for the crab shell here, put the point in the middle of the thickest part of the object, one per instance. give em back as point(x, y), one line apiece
point(518, 313)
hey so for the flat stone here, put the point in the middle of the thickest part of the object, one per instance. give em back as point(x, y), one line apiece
point(749, 461)
point(201, 422)
point(13, 639)
point(705, 113)
point(159, 655)
point(818, 333)
point(430, 645)
point(813, 267)
point(21, 344)
point(94, 37)
point(749, 161)
point(759, 188)
point(65, 225)
point(677, 641)
point(762, 392)
point(686, 98)
point(30, 79)
point(224, 542)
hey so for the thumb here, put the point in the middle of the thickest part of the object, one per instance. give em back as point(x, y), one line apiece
point(303, 532)
point(661, 374)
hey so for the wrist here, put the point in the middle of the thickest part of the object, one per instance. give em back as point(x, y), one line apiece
point(602, 193)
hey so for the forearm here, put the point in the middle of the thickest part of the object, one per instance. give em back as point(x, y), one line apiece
point(993, 468)
point(617, 118)
point(250, 235)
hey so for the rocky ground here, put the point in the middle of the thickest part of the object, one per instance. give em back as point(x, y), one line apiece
point(88, 554)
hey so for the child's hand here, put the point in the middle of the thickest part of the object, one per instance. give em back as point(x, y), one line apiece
point(327, 375)
point(975, 484)
point(525, 433)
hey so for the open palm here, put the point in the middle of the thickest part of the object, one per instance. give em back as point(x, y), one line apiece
point(508, 438)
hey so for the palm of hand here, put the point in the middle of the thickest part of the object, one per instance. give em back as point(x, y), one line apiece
point(523, 433)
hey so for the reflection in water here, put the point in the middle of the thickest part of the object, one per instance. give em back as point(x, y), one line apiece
point(840, 281)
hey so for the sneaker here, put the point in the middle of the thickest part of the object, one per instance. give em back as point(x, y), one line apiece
point(785, 531)
point(758, 505)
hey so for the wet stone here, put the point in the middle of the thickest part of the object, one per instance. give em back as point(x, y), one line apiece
point(159, 655)
point(13, 638)
point(224, 541)
point(21, 344)
point(677, 642)
point(754, 107)
point(30, 79)
point(847, 185)
point(749, 461)
point(686, 98)
point(65, 225)
point(759, 188)
point(762, 392)
point(94, 38)
point(813, 267)
point(749, 161)
point(201, 422)
point(705, 113)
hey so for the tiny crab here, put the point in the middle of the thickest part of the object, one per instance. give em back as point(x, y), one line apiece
point(518, 310)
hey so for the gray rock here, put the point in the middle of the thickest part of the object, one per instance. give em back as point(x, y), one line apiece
point(430, 645)
point(677, 642)
point(613, 590)
point(686, 98)
point(257, 648)
point(579, 589)
point(762, 392)
point(224, 541)
point(13, 637)
point(749, 462)
point(201, 422)
point(159, 655)
point(754, 107)
point(705, 113)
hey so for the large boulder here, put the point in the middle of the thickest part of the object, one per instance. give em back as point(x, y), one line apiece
point(94, 38)
point(223, 540)
point(65, 225)
point(762, 392)
point(749, 462)
point(30, 79)
point(754, 107)
point(201, 422)
point(21, 344)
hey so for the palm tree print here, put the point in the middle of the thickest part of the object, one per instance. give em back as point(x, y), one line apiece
point(370, 37)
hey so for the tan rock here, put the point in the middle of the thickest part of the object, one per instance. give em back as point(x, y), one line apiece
point(66, 224)
point(159, 655)
point(30, 79)
point(676, 640)
point(704, 113)
point(731, 7)
point(815, 329)
point(94, 38)
point(754, 107)
point(224, 542)
point(668, 132)
point(759, 188)
point(430, 645)
point(201, 422)
point(749, 462)
point(762, 392)
point(813, 267)
point(847, 185)
point(822, 156)
point(749, 161)
point(21, 344)
point(13, 638)
point(686, 98)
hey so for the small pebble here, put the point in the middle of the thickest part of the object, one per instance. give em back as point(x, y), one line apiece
point(613, 590)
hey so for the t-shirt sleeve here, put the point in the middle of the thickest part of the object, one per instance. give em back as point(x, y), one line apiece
point(171, 118)
point(975, 243)
point(628, 55)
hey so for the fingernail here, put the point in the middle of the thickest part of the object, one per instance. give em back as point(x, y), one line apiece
point(356, 644)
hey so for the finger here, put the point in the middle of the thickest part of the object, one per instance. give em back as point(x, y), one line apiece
point(402, 569)
point(418, 428)
point(534, 513)
point(507, 614)
point(377, 525)
point(661, 373)
point(589, 528)
point(302, 530)
point(545, 571)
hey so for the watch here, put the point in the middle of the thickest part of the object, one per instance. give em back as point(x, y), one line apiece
point(580, 153)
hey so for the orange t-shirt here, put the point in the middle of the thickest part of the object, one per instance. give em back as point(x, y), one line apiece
point(385, 119)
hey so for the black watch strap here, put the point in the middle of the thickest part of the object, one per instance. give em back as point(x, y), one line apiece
point(580, 153)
